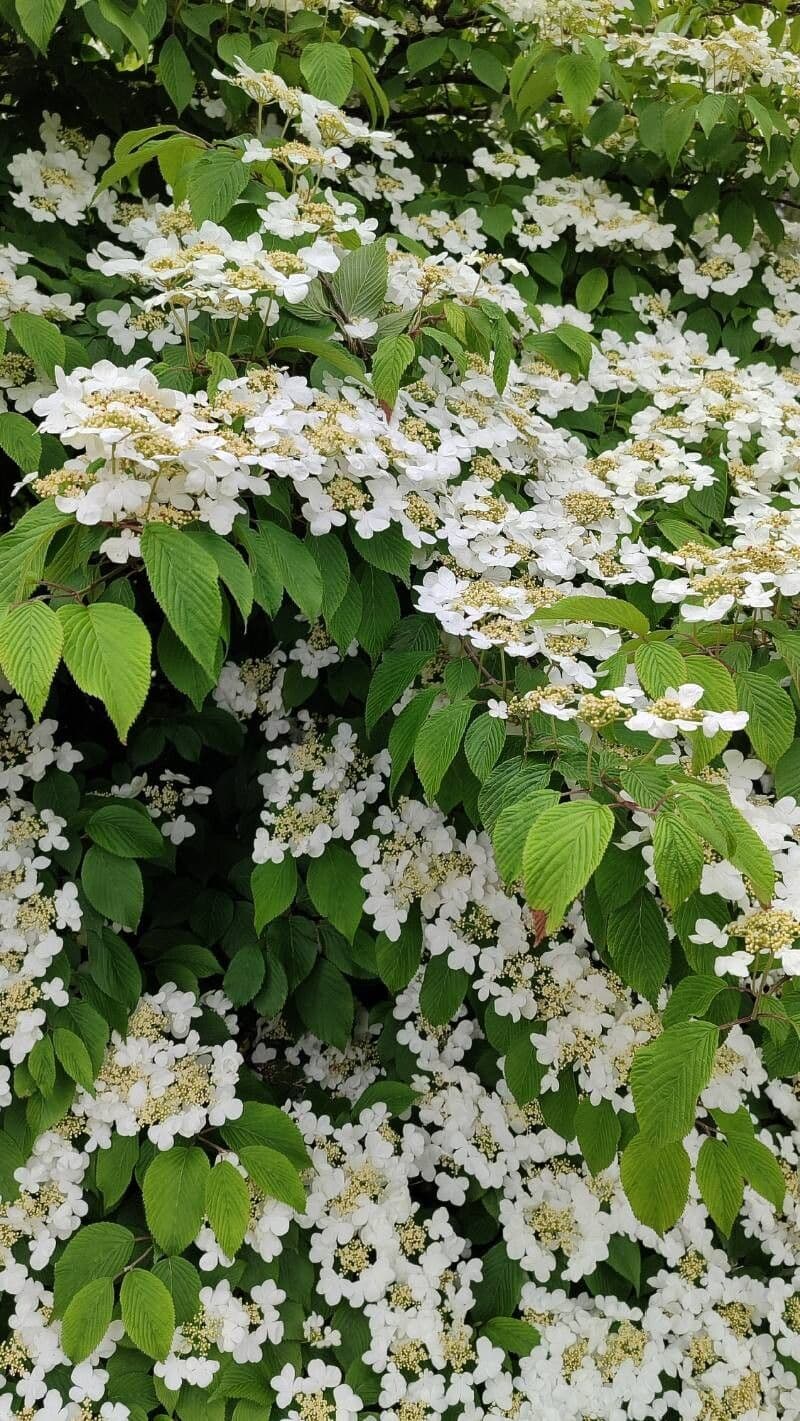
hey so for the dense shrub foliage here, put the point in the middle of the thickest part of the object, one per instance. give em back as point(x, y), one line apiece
point(400, 826)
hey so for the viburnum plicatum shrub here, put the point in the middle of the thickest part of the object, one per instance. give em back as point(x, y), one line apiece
point(400, 826)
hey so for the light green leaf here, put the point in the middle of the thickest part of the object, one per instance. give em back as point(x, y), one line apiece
point(328, 71)
point(39, 18)
point(148, 1313)
point(599, 611)
point(173, 1190)
point(678, 857)
point(215, 181)
point(96, 1249)
point(227, 1205)
point(578, 79)
point(483, 744)
point(31, 638)
point(87, 1319)
point(392, 358)
point(41, 340)
point(20, 440)
point(107, 652)
point(562, 852)
point(720, 1182)
point(771, 723)
point(73, 1056)
point(591, 289)
point(656, 1181)
point(359, 285)
point(667, 1076)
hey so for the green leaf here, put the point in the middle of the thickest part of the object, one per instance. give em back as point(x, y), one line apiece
point(328, 71)
point(692, 997)
point(483, 744)
point(261, 1124)
point(233, 571)
point(598, 1130)
point(214, 183)
point(41, 340)
point(658, 666)
point(488, 69)
point(20, 440)
point(380, 610)
point(668, 1074)
point(179, 667)
point(295, 567)
point(24, 550)
point(334, 887)
point(148, 1313)
point(184, 580)
point(107, 652)
point(113, 886)
point(512, 827)
point(523, 1071)
point(73, 1056)
point(273, 886)
point(325, 1004)
point(87, 1319)
point(227, 1206)
point(113, 11)
point(578, 79)
point(720, 1182)
point(442, 992)
point(397, 961)
point(511, 1334)
point(174, 1196)
point(182, 1281)
point(121, 829)
point(438, 742)
point(591, 289)
point(31, 638)
point(396, 671)
point(392, 358)
point(771, 723)
point(678, 857)
point(656, 1180)
point(95, 1250)
point(757, 1163)
point(245, 974)
point(562, 852)
point(359, 285)
point(600, 611)
point(638, 943)
point(274, 1175)
point(39, 18)
point(175, 72)
point(113, 1170)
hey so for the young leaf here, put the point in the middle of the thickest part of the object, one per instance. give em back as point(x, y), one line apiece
point(107, 652)
point(31, 638)
point(562, 852)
